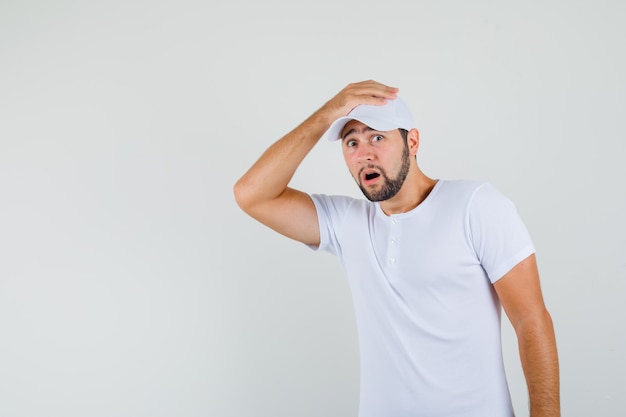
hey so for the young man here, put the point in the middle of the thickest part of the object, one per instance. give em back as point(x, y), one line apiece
point(429, 263)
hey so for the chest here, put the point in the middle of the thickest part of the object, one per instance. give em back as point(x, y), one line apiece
point(416, 254)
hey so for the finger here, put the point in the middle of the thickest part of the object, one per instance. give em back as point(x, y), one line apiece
point(368, 92)
point(371, 92)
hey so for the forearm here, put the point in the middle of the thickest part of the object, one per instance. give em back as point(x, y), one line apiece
point(538, 354)
point(272, 172)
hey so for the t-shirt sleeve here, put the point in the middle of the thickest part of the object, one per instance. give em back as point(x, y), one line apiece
point(330, 213)
point(497, 232)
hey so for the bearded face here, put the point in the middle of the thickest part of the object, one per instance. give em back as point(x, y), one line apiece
point(388, 184)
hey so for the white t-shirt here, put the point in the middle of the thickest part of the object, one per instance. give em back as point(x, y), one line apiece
point(428, 317)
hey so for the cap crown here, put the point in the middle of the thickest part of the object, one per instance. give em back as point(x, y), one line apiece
point(392, 115)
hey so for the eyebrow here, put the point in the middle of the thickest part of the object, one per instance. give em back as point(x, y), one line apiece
point(354, 130)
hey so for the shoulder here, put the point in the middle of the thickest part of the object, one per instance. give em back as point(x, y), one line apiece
point(470, 188)
point(464, 186)
point(460, 191)
point(340, 204)
point(336, 200)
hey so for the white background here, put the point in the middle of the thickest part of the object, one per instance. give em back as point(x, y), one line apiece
point(132, 285)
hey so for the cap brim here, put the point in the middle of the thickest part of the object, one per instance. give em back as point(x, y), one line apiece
point(336, 128)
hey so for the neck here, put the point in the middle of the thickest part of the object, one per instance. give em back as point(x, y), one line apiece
point(415, 189)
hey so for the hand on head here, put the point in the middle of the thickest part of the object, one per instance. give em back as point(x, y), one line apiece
point(364, 92)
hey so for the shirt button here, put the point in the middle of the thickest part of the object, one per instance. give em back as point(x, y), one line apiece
point(394, 221)
point(392, 260)
point(394, 240)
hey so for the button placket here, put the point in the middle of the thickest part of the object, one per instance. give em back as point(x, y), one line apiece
point(392, 260)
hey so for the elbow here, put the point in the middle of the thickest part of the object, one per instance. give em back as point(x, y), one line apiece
point(241, 194)
point(539, 322)
point(246, 193)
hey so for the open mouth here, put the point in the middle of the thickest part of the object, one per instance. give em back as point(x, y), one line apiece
point(370, 176)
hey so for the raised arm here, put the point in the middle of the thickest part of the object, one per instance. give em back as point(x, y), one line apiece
point(520, 294)
point(263, 192)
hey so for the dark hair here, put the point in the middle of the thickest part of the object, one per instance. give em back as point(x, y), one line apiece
point(404, 133)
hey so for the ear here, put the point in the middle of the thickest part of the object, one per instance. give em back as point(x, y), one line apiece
point(413, 140)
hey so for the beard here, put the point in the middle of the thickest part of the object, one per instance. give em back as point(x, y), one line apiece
point(390, 186)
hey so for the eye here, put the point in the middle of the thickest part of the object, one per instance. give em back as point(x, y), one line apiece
point(350, 143)
point(377, 138)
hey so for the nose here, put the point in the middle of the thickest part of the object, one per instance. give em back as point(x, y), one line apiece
point(365, 153)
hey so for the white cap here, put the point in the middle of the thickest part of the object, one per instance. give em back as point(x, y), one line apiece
point(393, 115)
